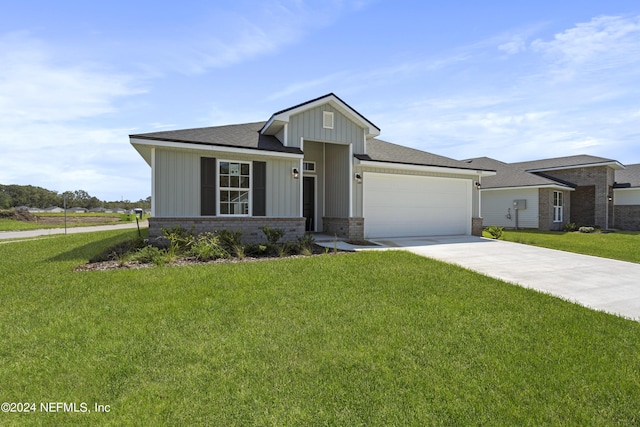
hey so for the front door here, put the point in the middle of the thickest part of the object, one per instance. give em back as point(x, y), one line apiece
point(309, 202)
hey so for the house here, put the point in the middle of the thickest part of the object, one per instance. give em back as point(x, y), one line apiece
point(626, 198)
point(314, 167)
point(54, 209)
point(77, 210)
point(548, 193)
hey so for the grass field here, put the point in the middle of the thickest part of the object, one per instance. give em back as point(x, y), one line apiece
point(372, 338)
point(621, 245)
point(56, 220)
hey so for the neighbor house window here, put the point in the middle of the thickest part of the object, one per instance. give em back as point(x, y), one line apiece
point(557, 206)
point(235, 185)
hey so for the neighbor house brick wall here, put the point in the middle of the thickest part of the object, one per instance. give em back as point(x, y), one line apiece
point(601, 178)
point(627, 217)
point(545, 209)
point(250, 226)
point(348, 228)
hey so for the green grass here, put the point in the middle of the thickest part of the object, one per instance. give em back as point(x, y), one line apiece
point(13, 225)
point(372, 338)
point(624, 246)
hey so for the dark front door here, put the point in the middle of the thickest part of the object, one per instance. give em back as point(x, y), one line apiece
point(309, 202)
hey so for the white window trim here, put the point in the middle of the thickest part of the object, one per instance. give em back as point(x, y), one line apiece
point(219, 188)
point(309, 170)
point(327, 118)
point(558, 210)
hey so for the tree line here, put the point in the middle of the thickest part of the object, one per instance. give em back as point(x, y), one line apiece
point(12, 196)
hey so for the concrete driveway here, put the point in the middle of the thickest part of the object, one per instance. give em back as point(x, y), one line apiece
point(599, 283)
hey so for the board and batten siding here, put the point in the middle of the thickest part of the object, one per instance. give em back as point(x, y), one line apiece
point(337, 164)
point(308, 125)
point(177, 182)
point(314, 152)
point(358, 187)
point(498, 204)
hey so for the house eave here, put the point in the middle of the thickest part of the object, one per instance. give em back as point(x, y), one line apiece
point(423, 168)
point(150, 143)
point(613, 164)
point(530, 187)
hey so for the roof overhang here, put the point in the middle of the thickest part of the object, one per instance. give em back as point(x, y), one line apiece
point(423, 168)
point(612, 164)
point(531, 187)
point(279, 119)
point(144, 146)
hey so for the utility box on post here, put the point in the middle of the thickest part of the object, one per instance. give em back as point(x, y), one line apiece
point(520, 204)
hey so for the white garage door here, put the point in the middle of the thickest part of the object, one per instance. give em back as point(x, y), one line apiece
point(407, 205)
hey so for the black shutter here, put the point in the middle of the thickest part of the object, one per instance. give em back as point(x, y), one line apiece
point(207, 186)
point(259, 188)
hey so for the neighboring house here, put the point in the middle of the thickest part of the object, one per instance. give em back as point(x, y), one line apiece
point(98, 210)
point(626, 198)
point(314, 167)
point(552, 192)
point(54, 209)
point(77, 210)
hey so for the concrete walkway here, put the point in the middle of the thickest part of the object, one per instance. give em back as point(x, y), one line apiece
point(26, 234)
point(599, 283)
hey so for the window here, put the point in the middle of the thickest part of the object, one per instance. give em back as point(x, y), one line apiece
point(327, 120)
point(235, 185)
point(557, 206)
point(309, 166)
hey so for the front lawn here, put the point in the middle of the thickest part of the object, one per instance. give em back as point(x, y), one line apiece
point(621, 245)
point(372, 338)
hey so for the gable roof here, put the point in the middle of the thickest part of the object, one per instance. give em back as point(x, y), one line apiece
point(281, 117)
point(629, 177)
point(239, 136)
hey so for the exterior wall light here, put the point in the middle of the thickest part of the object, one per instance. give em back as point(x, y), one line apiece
point(296, 173)
point(478, 185)
point(358, 177)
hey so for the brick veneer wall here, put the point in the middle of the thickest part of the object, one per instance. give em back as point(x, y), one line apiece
point(602, 178)
point(348, 228)
point(250, 226)
point(545, 209)
point(627, 217)
point(476, 227)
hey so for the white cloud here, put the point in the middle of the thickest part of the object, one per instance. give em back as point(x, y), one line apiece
point(43, 105)
point(514, 46)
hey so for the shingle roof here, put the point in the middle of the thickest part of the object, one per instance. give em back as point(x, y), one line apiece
point(558, 162)
point(240, 136)
point(629, 177)
point(247, 136)
point(510, 175)
point(383, 151)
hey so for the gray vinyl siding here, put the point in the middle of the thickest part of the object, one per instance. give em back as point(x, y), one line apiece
point(308, 125)
point(498, 204)
point(177, 186)
point(280, 135)
point(358, 192)
point(337, 180)
point(314, 152)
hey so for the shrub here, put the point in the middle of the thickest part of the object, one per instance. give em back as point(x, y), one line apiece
point(149, 254)
point(586, 229)
point(570, 227)
point(231, 241)
point(495, 231)
point(305, 244)
point(272, 234)
point(207, 247)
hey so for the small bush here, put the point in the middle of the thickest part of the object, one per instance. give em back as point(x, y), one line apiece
point(231, 241)
point(570, 227)
point(149, 254)
point(273, 234)
point(495, 231)
point(206, 247)
point(586, 229)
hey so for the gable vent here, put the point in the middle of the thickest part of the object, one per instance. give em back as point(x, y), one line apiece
point(327, 120)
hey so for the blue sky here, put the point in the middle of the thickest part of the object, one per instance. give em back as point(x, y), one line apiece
point(510, 80)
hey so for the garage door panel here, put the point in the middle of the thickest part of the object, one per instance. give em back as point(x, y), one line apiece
point(408, 205)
